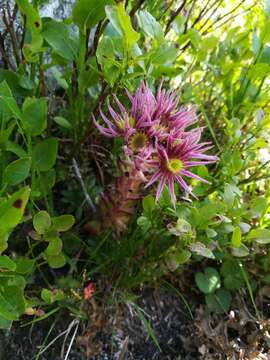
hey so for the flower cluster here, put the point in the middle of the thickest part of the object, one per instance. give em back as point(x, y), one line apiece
point(158, 138)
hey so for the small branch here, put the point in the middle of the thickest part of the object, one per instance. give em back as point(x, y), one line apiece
point(23, 36)
point(175, 14)
point(136, 8)
point(80, 179)
point(5, 57)
point(9, 26)
point(98, 32)
point(188, 15)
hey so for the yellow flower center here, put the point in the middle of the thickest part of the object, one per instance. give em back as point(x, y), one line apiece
point(174, 165)
point(138, 141)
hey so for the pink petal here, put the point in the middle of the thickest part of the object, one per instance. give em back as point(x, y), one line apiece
point(153, 179)
point(171, 188)
point(160, 187)
point(194, 176)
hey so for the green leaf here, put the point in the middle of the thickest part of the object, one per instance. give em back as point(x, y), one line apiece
point(16, 149)
point(267, 7)
point(60, 120)
point(144, 223)
point(5, 112)
point(208, 281)
point(261, 236)
point(17, 171)
point(229, 195)
point(233, 278)
point(5, 324)
point(55, 247)
point(56, 261)
point(12, 209)
point(11, 104)
point(149, 25)
point(45, 153)
point(149, 204)
point(200, 249)
point(7, 263)
point(220, 301)
point(121, 22)
point(34, 115)
point(175, 259)
point(258, 207)
point(12, 302)
point(236, 237)
point(61, 81)
point(47, 296)
point(24, 266)
point(61, 38)
point(240, 251)
point(63, 222)
point(32, 16)
point(87, 13)
point(42, 222)
point(164, 54)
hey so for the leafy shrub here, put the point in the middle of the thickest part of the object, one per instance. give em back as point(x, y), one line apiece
point(55, 78)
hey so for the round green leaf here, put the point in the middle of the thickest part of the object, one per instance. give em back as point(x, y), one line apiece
point(63, 222)
point(42, 222)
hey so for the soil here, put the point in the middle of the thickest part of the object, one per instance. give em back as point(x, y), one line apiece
point(128, 339)
point(160, 319)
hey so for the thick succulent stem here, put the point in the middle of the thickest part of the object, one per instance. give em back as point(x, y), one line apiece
point(118, 202)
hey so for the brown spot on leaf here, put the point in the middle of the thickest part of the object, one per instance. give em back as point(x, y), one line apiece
point(18, 203)
point(37, 24)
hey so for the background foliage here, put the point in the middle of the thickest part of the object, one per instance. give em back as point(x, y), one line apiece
point(53, 163)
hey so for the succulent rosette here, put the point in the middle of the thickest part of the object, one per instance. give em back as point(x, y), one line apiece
point(160, 137)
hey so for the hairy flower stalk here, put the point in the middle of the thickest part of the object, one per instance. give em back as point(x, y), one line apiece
point(161, 144)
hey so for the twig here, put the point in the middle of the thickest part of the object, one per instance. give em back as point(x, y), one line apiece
point(23, 35)
point(136, 8)
point(5, 57)
point(188, 15)
point(175, 14)
point(79, 176)
point(9, 26)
